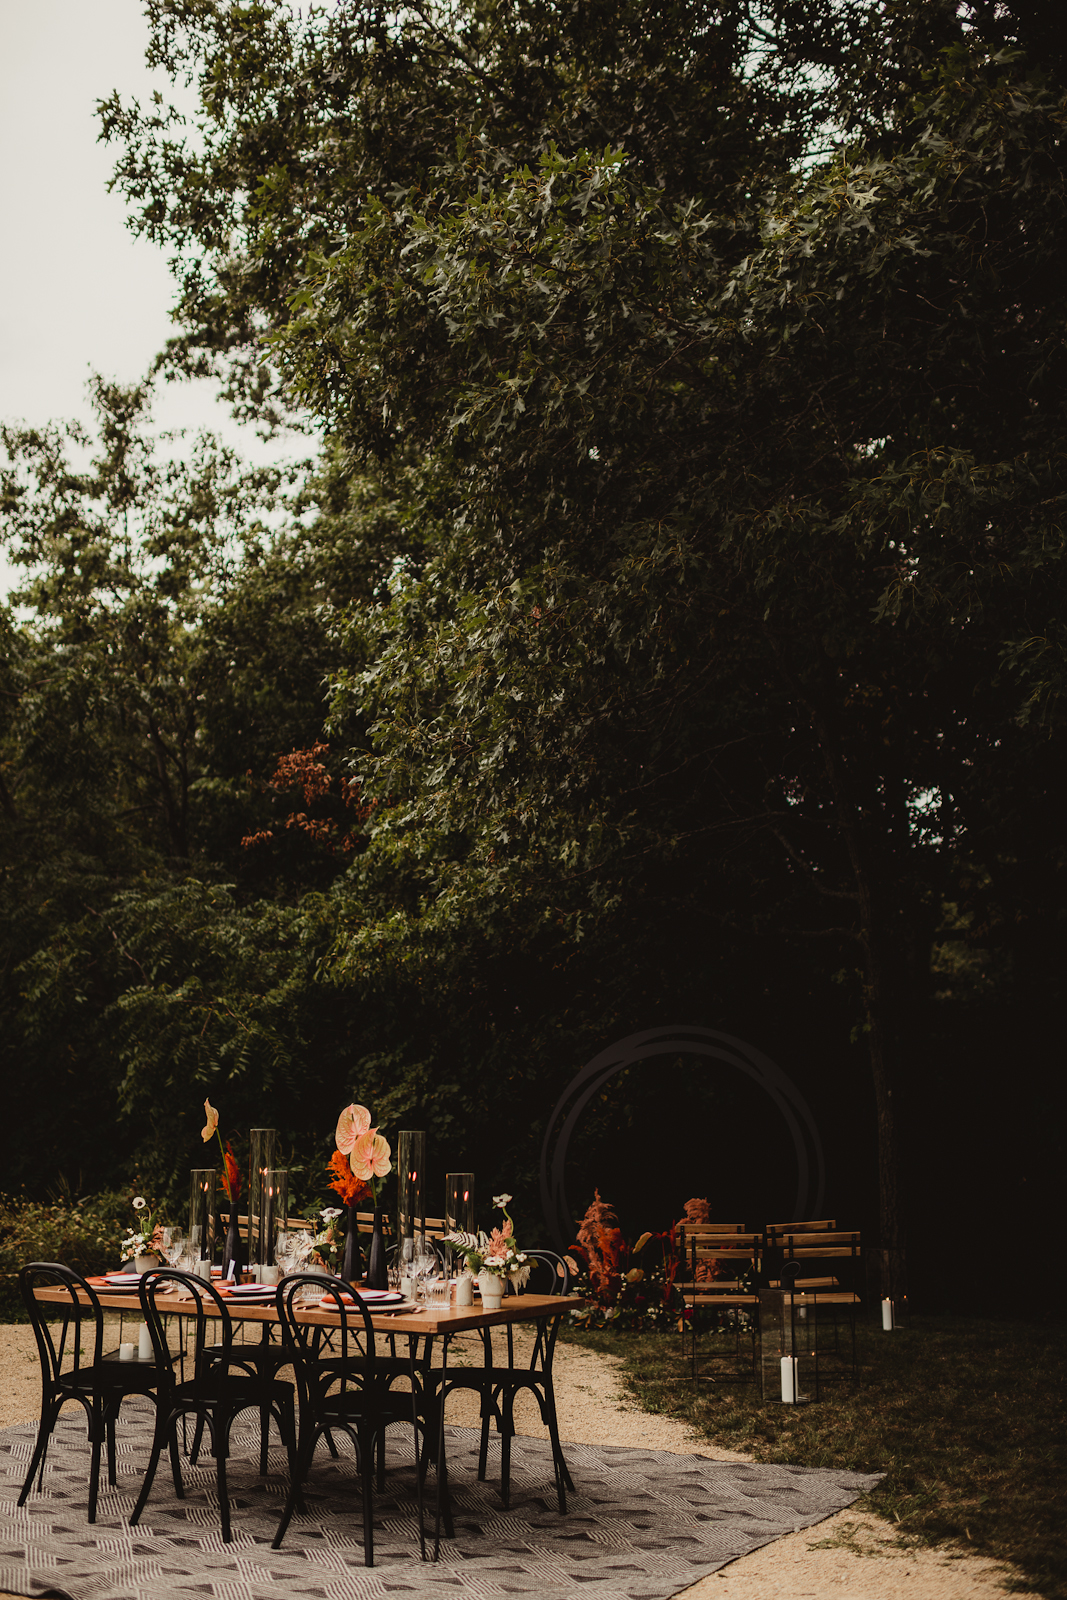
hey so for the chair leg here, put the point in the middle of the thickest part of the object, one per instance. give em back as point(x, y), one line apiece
point(162, 1428)
point(221, 1433)
point(305, 1450)
point(365, 1442)
point(49, 1416)
point(176, 1463)
point(97, 1433)
point(264, 1436)
point(563, 1477)
point(111, 1414)
point(198, 1439)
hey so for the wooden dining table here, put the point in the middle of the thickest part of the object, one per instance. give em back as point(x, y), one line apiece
point(425, 1325)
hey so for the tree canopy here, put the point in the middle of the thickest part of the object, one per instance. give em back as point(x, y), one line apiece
point(681, 591)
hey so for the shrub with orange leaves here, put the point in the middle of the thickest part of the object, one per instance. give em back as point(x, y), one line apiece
point(600, 1237)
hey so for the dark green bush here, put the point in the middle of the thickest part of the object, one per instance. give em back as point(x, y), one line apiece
point(84, 1234)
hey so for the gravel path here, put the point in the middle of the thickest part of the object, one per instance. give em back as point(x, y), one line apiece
point(849, 1555)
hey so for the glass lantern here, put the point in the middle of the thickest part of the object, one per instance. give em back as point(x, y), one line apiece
point(411, 1165)
point(262, 1158)
point(789, 1353)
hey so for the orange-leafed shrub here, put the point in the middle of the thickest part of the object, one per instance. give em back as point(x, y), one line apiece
point(605, 1248)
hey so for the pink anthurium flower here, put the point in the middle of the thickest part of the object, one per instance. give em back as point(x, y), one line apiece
point(352, 1124)
point(370, 1156)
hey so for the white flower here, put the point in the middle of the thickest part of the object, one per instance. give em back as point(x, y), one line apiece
point(139, 1203)
point(501, 1199)
point(331, 1212)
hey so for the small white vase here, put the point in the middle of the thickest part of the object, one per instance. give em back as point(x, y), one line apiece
point(145, 1263)
point(492, 1288)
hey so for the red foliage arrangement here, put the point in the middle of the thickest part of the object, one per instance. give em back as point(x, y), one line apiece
point(232, 1180)
point(696, 1212)
point(351, 1189)
point(602, 1243)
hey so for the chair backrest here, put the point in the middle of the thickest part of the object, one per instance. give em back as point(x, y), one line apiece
point(160, 1282)
point(825, 1225)
point(731, 1259)
point(62, 1354)
point(550, 1275)
point(365, 1223)
point(326, 1366)
point(801, 1246)
point(710, 1227)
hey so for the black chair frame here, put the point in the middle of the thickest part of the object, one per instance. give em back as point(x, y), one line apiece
point(99, 1387)
point(345, 1386)
point(221, 1387)
point(498, 1387)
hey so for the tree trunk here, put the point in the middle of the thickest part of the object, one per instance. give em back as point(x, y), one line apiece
point(878, 1009)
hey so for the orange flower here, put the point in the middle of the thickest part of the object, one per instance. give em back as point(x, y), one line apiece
point(348, 1186)
point(232, 1179)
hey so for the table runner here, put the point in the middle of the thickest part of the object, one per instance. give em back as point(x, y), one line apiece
point(642, 1525)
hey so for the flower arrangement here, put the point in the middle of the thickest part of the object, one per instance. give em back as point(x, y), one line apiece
point(358, 1165)
point(231, 1179)
point(146, 1238)
point(628, 1294)
point(497, 1252)
point(369, 1154)
point(329, 1242)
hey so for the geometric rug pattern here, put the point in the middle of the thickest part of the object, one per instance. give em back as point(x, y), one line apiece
point(641, 1525)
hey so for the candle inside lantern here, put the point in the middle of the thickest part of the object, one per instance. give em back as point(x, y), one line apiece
point(789, 1379)
point(888, 1324)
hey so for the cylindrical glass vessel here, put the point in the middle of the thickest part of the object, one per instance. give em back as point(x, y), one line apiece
point(459, 1208)
point(262, 1148)
point(459, 1202)
point(273, 1212)
point(202, 1186)
point(411, 1203)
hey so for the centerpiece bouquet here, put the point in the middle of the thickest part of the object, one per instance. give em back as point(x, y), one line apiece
point(146, 1239)
point(357, 1167)
point(497, 1253)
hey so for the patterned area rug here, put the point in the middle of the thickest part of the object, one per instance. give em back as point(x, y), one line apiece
point(642, 1525)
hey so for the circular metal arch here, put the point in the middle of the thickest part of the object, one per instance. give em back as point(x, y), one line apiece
point(811, 1167)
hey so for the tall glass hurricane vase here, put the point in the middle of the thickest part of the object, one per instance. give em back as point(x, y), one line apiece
point(262, 1149)
point(273, 1212)
point(202, 1185)
point(411, 1202)
point(459, 1205)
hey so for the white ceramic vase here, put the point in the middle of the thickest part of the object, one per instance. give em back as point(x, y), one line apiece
point(492, 1288)
point(145, 1263)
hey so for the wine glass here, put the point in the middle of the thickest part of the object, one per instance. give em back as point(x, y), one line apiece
point(424, 1267)
point(173, 1245)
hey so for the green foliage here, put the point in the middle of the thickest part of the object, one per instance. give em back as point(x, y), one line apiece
point(680, 592)
point(84, 1234)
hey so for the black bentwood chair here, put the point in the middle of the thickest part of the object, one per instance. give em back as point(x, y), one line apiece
point(499, 1386)
point(74, 1367)
point(345, 1386)
point(221, 1387)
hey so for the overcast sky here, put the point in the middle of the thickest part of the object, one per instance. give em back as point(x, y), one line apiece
point(77, 291)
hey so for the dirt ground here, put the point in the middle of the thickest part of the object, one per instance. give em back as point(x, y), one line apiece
point(849, 1555)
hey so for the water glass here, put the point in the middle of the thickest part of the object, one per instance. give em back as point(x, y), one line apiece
point(173, 1245)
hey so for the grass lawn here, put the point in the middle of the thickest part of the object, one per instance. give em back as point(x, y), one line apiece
point(967, 1419)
